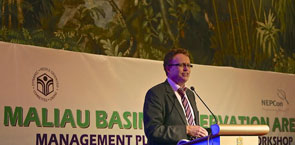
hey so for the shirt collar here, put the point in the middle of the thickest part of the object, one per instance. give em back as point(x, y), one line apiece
point(174, 86)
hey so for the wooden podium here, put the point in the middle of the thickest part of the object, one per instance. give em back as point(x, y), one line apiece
point(223, 134)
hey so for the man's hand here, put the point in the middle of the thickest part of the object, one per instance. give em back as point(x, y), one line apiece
point(196, 131)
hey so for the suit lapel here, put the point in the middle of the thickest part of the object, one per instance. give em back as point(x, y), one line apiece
point(194, 106)
point(172, 97)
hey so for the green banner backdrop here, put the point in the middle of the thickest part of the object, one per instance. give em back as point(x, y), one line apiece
point(57, 97)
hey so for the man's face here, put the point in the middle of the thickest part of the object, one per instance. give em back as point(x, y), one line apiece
point(179, 74)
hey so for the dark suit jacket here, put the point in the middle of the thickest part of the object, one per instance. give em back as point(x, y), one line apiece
point(164, 119)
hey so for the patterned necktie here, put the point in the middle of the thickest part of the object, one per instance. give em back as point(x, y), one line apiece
point(188, 112)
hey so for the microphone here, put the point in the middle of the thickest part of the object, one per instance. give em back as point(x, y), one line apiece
point(193, 89)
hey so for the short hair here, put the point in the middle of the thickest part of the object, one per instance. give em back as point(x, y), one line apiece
point(169, 56)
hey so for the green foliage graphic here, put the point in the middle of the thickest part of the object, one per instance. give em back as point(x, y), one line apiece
point(252, 34)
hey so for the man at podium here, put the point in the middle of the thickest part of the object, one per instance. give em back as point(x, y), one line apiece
point(170, 111)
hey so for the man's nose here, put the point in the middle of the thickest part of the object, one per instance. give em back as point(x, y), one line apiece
point(185, 67)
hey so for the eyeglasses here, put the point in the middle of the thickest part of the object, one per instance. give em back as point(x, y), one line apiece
point(181, 65)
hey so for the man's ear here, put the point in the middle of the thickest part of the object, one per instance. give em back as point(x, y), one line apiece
point(167, 69)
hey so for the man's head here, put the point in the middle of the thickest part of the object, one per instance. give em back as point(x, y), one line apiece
point(177, 65)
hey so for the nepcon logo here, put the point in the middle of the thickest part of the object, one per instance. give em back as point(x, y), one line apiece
point(45, 84)
point(278, 102)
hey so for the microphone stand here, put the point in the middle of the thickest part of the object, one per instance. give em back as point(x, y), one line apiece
point(193, 89)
